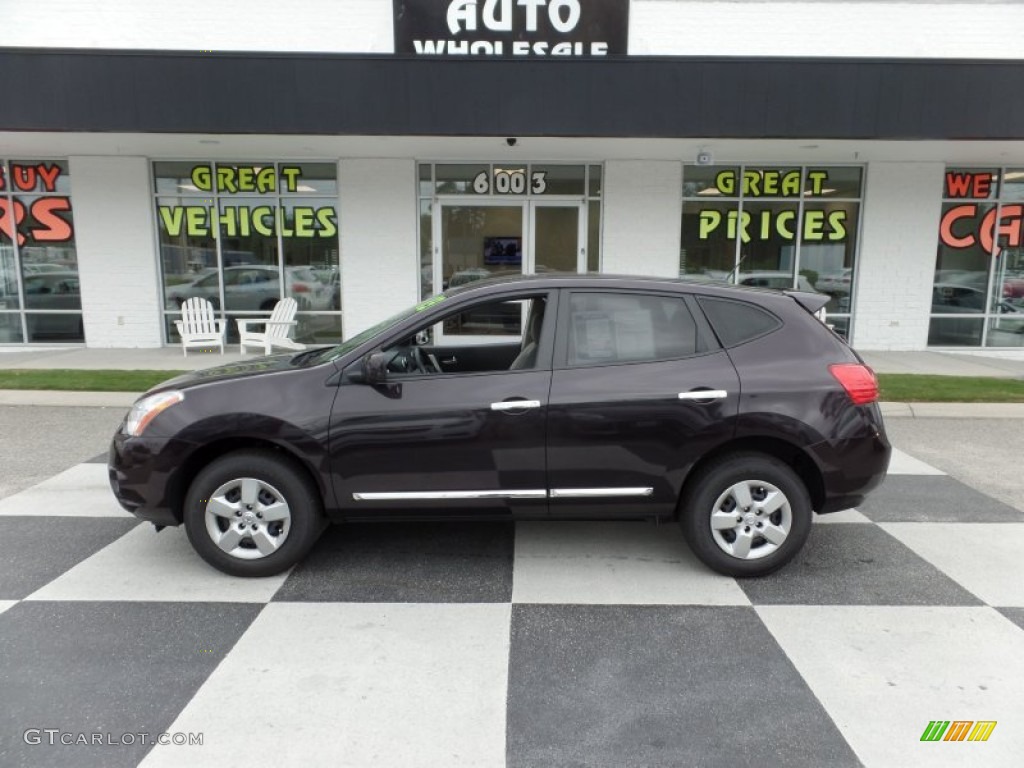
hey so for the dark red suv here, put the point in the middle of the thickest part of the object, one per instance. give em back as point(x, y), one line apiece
point(732, 410)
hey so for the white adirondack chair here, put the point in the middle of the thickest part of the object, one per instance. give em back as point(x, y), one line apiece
point(199, 326)
point(276, 331)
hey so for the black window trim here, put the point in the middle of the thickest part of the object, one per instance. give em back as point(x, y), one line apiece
point(711, 325)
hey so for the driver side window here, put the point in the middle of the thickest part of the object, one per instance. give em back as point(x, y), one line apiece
point(515, 326)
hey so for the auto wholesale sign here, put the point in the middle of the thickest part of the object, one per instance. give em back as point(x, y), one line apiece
point(511, 28)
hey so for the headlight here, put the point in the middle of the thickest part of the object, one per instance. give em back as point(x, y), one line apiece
point(146, 409)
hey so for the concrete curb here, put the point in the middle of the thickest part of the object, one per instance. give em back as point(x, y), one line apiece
point(69, 399)
point(889, 410)
point(953, 410)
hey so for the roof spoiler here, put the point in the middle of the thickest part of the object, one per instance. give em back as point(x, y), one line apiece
point(812, 302)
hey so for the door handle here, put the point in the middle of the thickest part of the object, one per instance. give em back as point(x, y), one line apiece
point(704, 394)
point(450, 361)
point(514, 405)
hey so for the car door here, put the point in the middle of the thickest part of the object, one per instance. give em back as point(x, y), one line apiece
point(447, 442)
point(640, 391)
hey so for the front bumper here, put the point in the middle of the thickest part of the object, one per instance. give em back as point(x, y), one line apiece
point(146, 476)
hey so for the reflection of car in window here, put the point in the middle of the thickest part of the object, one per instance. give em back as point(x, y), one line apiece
point(620, 398)
point(254, 287)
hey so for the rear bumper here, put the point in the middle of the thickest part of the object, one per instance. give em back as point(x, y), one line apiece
point(144, 474)
point(855, 464)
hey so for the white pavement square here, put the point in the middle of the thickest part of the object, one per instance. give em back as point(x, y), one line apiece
point(81, 491)
point(394, 684)
point(613, 563)
point(984, 558)
point(5, 604)
point(149, 566)
point(842, 516)
point(904, 464)
point(883, 673)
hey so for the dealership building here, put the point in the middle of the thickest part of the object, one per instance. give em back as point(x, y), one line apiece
point(360, 156)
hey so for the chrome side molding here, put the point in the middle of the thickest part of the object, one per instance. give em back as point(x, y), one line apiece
point(454, 495)
point(556, 493)
point(593, 493)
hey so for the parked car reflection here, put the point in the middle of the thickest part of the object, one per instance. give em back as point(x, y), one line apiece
point(254, 287)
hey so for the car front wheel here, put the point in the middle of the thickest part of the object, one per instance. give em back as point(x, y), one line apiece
point(252, 513)
point(746, 515)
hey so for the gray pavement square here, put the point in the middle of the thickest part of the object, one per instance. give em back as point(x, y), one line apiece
point(450, 562)
point(654, 686)
point(110, 668)
point(924, 499)
point(856, 565)
point(36, 550)
point(1016, 615)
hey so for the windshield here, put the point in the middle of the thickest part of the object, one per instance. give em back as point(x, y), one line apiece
point(333, 353)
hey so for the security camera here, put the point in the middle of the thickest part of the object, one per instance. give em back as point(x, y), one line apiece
point(705, 158)
point(511, 141)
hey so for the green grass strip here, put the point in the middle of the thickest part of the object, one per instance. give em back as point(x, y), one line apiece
point(922, 388)
point(77, 380)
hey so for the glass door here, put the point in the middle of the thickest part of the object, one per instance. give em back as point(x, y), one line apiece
point(556, 237)
point(475, 241)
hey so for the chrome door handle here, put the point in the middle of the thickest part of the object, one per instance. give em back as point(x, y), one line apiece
point(514, 405)
point(704, 394)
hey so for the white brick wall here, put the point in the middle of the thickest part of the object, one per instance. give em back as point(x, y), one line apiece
point(900, 229)
point(822, 28)
point(338, 26)
point(378, 226)
point(642, 214)
point(113, 216)
point(657, 27)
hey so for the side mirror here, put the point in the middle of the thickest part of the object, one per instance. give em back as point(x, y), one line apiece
point(375, 367)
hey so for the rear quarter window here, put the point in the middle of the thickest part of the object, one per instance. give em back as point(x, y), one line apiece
point(737, 322)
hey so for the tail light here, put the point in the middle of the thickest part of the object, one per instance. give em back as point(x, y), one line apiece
point(300, 288)
point(858, 380)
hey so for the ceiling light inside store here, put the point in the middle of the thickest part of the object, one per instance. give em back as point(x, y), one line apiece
point(188, 187)
point(822, 192)
point(1014, 176)
point(709, 191)
point(305, 188)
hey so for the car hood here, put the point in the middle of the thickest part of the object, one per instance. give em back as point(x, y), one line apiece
point(230, 371)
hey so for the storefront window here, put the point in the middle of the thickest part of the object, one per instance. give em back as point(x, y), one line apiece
point(245, 236)
point(978, 291)
point(40, 297)
point(774, 227)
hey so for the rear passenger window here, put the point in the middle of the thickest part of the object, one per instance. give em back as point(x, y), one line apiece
point(736, 321)
point(607, 328)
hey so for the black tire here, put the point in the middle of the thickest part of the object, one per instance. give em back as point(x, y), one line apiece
point(278, 479)
point(712, 493)
point(268, 305)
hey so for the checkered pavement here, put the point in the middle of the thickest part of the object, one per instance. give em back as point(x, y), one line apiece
point(535, 644)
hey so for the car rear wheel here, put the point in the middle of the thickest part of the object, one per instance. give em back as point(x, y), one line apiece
point(746, 514)
point(252, 513)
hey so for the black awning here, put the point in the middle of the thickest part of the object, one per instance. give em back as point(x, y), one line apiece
point(656, 97)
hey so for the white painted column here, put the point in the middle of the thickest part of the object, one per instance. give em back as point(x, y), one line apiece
point(378, 226)
point(900, 230)
point(117, 264)
point(643, 208)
